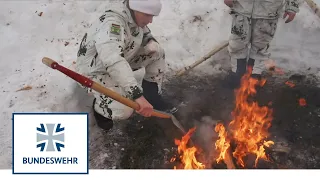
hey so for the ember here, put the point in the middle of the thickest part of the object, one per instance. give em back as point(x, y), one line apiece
point(302, 102)
point(290, 84)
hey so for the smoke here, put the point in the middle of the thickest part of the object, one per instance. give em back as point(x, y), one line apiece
point(205, 137)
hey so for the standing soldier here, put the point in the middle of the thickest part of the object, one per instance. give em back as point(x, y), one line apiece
point(254, 23)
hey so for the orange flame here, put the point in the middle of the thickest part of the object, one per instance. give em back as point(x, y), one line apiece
point(222, 144)
point(248, 128)
point(187, 155)
point(250, 123)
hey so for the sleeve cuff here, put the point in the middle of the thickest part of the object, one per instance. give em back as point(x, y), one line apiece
point(292, 9)
point(134, 92)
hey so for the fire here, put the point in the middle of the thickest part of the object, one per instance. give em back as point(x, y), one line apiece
point(222, 144)
point(250, 123)
point(248, 129)
point(188, 155)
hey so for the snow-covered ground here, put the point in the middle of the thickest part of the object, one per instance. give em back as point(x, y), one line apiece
point(187, 29)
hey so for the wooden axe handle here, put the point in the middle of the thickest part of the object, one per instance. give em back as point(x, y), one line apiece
point(48, 61)
point(207, 56)
point(315, 8)
point(97, 87)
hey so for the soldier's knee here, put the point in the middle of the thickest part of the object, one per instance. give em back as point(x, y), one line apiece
point(237, 46)
point(127, 112)
point(123, 113)
point(159, 52)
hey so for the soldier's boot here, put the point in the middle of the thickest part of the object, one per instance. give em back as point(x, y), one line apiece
point(104, 123)
point(151, 93)
point(234, 78)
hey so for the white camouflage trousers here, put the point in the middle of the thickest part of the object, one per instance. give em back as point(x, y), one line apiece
point(155, 67)
point(256, 33)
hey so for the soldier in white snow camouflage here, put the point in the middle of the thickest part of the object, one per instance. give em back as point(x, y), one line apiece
point(117, 44)
point(254, 23)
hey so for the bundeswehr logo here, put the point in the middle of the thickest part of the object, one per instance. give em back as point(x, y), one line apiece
point(50, 137)
point(50, 143)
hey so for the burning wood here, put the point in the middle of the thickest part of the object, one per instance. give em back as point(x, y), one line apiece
point(250, 124)
point(222, 144)
point(248, 131)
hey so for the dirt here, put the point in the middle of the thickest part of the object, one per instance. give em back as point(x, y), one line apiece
point(148, 143)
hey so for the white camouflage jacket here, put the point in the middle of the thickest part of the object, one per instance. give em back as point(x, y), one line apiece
point(266, 9)
point(109, 45)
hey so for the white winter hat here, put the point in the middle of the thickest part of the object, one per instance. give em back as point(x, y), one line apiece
point(152, 7)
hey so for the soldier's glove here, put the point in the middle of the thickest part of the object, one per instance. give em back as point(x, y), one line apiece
point(290, 14)
point(228, 3)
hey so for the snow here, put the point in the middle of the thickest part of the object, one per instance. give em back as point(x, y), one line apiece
point(27, 37)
